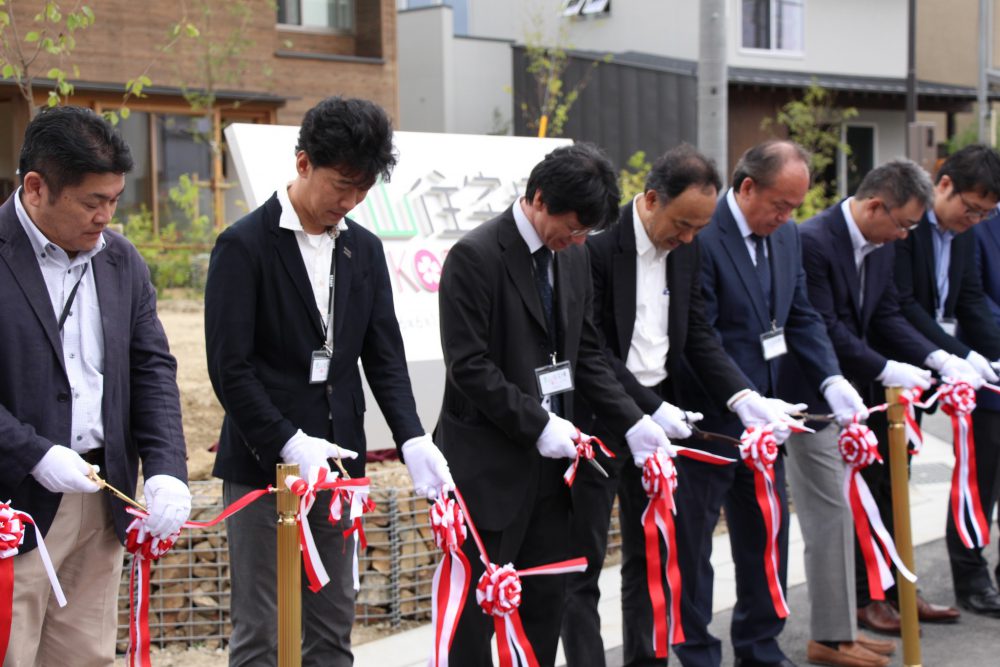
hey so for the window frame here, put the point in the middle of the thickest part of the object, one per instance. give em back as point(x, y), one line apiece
point(317, 29)
point(772, 51)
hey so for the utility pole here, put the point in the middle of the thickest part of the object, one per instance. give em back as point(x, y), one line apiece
point(911, 73)
point(713, 84)
point(982, 101)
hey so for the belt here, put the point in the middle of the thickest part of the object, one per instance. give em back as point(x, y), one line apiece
point(94, 457)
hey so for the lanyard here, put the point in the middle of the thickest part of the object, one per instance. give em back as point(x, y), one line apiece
point(333, 286)
point(72, 296)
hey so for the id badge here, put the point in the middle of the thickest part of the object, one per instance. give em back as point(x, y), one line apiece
point(948, 324)
point(554, 378)
point(319, 368)
point(773, 344)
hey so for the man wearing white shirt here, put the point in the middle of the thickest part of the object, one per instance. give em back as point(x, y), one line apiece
point(297, 294)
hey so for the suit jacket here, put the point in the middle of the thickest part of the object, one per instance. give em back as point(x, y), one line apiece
point(140, 404)
point(987, 235)
point(735, 305)
point(494, 336)
point(834, 290)
point(917, 283)
point(261, 328)
point(613, 264)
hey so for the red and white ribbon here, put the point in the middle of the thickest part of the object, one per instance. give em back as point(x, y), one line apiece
point(498, 593)
point(451, 578)
point(144, 548)
point(356, 495)
point(910, 398)
point(759, 451)
point(859, 448)
point(11, 536)
point(584, 450)
point(958, 400)
point(659, 481)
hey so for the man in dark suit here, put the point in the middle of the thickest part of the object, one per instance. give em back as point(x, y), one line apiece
point(515, 318)
point(86, 378)
point(648, 310)
point(941, 292)
point(848, 255)
point(297, 293)
point(755, 297)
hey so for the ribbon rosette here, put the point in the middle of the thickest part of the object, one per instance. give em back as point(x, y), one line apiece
point(958, 400)
point(144, 548)
point(584, 451)
point(859, 448)
point(451, 578)
point(759, 451)
point(11, 536)
point(354, 494)
point(659, 481)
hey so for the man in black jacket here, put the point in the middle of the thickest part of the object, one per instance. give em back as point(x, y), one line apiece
point(297, 293)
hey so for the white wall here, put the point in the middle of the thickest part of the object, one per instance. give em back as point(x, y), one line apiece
point(854, 37)
point(483, 82)
point(424, 40)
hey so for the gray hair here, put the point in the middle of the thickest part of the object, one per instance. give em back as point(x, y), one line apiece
point(763, 162)
point(897, 182)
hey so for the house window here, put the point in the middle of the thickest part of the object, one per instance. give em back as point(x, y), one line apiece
point(585, 7)
point(335, 15)
point(862, 140)
point(773, 25)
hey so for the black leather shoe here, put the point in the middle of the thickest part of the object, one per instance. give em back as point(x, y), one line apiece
point(741, 662)
point(985, 603)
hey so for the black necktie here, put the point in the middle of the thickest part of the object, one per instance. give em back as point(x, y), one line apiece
point(543, 258)
point(763, 269)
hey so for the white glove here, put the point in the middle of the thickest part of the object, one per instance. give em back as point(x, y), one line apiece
point(845, 402)
point(557, 439)
point(675, 422)
point(62, 470)
point(169, 503)
point(644, 438)
point(309, 452)
point(428, 467)
point(982, 366)
point(954, 368)
point(907, 376)
point(755, 410)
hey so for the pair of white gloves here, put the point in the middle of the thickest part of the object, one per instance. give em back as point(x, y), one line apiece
point(425, 462)
point(168, 499)
point(974, 369)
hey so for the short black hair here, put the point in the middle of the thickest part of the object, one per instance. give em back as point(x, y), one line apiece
point(64, 144)
point(974, 168)
point(349, 134)
point(680, 168)
point(897, 182)
point(577, 178)
point(763, 162)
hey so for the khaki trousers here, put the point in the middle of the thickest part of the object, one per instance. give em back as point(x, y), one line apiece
point(88, 559)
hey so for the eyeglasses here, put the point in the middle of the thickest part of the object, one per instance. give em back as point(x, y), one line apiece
point(577, 233)
point(975, 213)
point(909, 226)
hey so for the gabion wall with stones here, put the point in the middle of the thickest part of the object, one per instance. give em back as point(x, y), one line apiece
point(189, 595)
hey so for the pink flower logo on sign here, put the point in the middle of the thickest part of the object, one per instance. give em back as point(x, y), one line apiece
point(428, 270)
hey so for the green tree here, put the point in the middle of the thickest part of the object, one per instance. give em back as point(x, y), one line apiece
point(632, 179)
point(815, 122)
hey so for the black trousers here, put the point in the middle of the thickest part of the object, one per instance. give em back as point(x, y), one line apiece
point(538, 536)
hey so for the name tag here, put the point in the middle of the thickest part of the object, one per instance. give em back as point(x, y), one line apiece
point(319, 367)
point(554, 378)
point(948, 324)
point(773, 344)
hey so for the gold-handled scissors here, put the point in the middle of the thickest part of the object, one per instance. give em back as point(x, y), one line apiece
point(115, 492)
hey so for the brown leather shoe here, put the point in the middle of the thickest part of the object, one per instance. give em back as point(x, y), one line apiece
point(847, 654)
point(880, 617)
point(928, 612)
point(882, 647)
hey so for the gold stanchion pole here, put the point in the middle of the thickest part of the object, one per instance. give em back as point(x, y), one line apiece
point(899, 470)
point(289, 573)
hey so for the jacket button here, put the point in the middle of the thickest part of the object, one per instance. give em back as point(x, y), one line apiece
point(63, 397)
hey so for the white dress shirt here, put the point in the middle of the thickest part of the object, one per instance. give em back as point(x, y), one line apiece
point(317, 252)
point(942, 261)
point(862, 248)
point(647, 353)
point(744, 227)
point(534, 242)
point(82, 334)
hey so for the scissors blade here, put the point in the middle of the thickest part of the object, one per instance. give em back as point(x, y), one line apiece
point(718, 437)
point(598, 467)
point(812, 417)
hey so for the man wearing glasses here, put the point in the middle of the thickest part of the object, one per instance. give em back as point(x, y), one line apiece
point(940, 292)
point(848, 256)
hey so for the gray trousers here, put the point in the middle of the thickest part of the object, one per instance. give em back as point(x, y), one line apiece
point(327, 616)
point(816, 472)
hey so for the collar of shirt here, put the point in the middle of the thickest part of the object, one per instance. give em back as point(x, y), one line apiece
point(741, 220)
point(289, 218)
point(40, 243)
point(525, 228)
point(858, 241)
point(932, 218)
point(643, 246)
